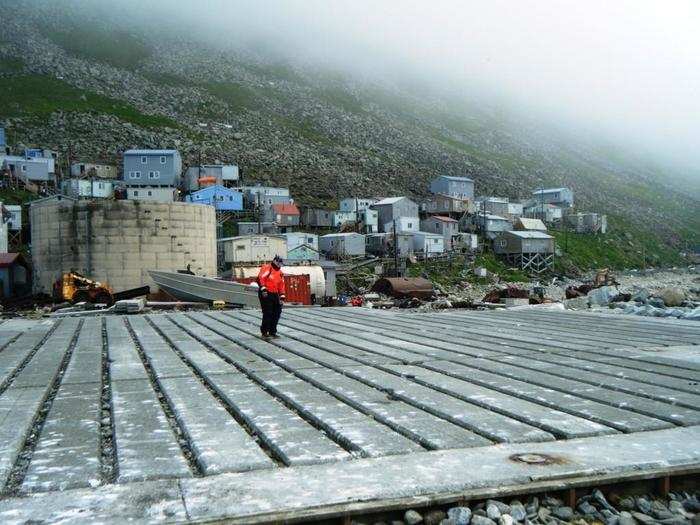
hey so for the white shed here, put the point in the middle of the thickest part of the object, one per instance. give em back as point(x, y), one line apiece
point(427, 243)
point(342, 244)
point(249, 249)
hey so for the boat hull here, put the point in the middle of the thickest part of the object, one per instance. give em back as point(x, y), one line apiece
point(188, 287)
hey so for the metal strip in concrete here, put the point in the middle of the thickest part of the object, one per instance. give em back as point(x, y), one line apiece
point(67, 453)
point(19, 350)
point(538, 326)
point(146, 447)
point(294, 440)
point(678, 413)
point(219, 443)
point(629, 359)
point(365, 435)
point(485, 422)
point(683, 385)
point(612, 329)
point(36, 378)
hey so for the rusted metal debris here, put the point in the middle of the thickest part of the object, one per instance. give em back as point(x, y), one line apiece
point(401, 287)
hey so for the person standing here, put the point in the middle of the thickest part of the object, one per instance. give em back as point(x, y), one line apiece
point(271, 295)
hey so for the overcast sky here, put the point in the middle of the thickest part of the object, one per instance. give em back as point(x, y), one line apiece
point(629, 69)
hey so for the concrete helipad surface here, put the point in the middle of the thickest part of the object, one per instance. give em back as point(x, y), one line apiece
point(193, 416)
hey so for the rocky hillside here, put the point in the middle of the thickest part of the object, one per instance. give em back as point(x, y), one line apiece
point(98, 90)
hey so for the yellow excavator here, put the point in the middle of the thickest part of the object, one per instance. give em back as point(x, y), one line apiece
point(76, 288)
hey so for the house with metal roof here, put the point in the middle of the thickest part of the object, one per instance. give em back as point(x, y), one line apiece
point(560, 196)
point(441, 225)
point(152, 167)
point(15, 275)
point(393, 208)
point(198, 177)
point(526, 224)
point(460, 187)
point(528, 250)
point(285, 215)
point(222, 198)
point(342, 244)
point(428, 243)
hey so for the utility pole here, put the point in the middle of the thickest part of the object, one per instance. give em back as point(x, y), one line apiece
point(259, 214)
point(396, 251)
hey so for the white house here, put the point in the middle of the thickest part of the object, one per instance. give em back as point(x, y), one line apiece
point(403, 225)
point(355, 204)
point(428, 243)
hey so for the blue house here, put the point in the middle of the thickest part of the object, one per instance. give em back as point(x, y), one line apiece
point(152, 167)
point(223, 199)
point(459, 187)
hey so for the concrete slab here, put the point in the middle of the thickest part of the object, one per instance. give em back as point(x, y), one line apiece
point(348, 409)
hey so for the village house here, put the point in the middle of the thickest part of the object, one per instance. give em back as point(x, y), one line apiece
point(152, 167)
point(403, 225)
point(222, 198)
point(460, 187)
point(515, 210)
point(152, 194)
point(317, 217)
point(341, 217)
point(528, 250)
point(442, 225)
point(494, 205)
point(394, 208)
point(252, 249)
point(36, 170)
point(587, 222)
point(549, 213)
point(526, 224)
point(342, 244)
point(369, 220)
point(491, 225)
point(382, 244)
point(447, 204)
point(253, 228)
point(562, 197)
point(265, 196)
point(302, 246)
point(88, 188)
point(197, 177)
point(428, 243)
point(15, 275)
point(89, 170)
point(356, 204)
point(285, 215)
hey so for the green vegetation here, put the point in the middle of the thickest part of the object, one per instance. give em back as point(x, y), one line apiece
point(238, 97)
point(341, 98)
point(452, 272)
point(625, 246)
point(39, 96)
point(8, 196)
point(11, 65)
point(117, 48)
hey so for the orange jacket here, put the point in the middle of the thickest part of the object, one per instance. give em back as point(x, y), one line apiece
point(271, 280)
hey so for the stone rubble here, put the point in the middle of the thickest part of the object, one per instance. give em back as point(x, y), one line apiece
point(594, 509)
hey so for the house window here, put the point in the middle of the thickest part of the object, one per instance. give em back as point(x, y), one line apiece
point(144, 160)
point(437, 227)
point(150, 193)
point(154, 174)
point(136, 193)
point(162, 160)
point(502, 243)
point(24, 167)
point(310, 240)
point(409, 225)
point(134, 174)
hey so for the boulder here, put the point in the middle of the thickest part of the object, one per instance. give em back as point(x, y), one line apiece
point(671, 296)
point(602, 296)
point(578, 303)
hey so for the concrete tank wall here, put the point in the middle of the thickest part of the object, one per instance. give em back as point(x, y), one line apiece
point(119, 241)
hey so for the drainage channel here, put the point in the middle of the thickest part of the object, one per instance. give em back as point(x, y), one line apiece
point(182, 438)
point(10, 341)
point(4, 386)
point(21, 464)
point(370, 384)
point(108, 452)
point(317, 424)
point(255, 433)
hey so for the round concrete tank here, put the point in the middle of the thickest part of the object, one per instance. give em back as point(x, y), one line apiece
point(117, 242)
